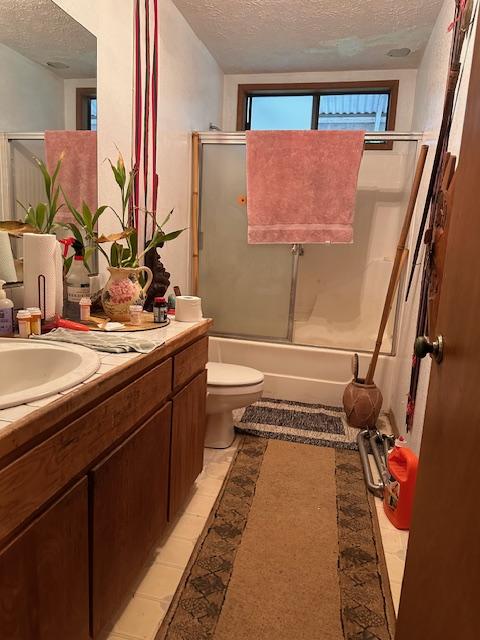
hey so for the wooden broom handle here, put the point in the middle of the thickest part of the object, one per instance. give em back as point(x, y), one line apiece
point(399, 261)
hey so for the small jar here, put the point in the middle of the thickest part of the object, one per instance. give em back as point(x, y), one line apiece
point(35, 320)
point(160, 308)
point(136, 311)
point(85, 304)
point(24, 325)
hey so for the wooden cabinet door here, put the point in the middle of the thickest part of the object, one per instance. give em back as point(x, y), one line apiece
point(129, 500)
point(188, 439)
point(44, 574)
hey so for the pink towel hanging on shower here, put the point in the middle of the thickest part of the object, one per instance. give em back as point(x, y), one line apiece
point(302, 185)
point(78, 174)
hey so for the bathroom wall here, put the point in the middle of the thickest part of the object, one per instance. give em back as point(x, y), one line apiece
point(431, 81)
point(191, 94)
point(407, 78)
point(31, 96)
point(70, 98)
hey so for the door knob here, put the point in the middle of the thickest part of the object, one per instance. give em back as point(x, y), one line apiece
point(423, 346)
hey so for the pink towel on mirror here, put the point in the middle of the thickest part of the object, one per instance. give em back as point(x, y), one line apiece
point(78, 174)
point(302, 185)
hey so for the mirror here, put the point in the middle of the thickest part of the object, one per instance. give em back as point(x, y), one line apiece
point(48, 66)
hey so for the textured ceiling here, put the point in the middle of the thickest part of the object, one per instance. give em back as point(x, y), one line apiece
point(41, 31)
point(261, 36)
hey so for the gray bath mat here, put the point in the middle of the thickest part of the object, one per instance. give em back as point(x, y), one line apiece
point(316, 424)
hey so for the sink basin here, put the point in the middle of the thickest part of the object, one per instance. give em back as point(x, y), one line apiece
point(30, 370)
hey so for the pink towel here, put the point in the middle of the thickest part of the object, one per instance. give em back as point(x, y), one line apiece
point(302, 185)
point(78, 175)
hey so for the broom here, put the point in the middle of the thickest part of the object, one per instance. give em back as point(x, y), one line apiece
point(399, 262)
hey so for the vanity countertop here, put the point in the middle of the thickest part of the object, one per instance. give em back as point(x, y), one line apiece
point(22, 424)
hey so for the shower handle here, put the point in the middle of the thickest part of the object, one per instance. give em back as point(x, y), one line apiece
point(297, 249)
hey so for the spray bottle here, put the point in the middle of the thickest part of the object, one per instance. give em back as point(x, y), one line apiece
point(6, 314)
point(78, 283)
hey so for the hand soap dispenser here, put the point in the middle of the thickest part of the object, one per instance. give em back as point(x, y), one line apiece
point(6, 314)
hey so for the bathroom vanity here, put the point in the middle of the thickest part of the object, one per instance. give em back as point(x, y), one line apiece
point(89, 482)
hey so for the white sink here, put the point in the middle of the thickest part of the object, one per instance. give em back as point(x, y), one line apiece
point(30, 369)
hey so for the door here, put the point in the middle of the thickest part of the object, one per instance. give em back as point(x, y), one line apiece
point(188, 438)
point(44, 585)
point(129, 497)
point(441, 589)
point(247, 288)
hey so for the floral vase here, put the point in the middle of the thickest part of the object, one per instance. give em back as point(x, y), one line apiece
point(122, 290)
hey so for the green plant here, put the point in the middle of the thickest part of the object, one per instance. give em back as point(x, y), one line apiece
point(86, 221)
point(42, 216)
point(128, 255)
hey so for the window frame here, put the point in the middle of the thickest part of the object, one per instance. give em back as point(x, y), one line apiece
point(317, 89)
point(84, 96)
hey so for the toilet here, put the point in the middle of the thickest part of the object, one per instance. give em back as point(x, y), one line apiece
point(229, 387)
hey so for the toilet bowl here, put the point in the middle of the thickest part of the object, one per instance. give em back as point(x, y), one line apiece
point(229, 387)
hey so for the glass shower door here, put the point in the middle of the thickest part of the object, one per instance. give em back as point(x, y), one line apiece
point(246, 289)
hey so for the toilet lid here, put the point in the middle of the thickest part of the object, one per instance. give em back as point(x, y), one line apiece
point(231, 375)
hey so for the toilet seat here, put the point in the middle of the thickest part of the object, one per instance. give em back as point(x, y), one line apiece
point(247, 389)
point(230, 376)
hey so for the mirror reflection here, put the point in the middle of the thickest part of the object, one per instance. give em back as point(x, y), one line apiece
point(48, 66)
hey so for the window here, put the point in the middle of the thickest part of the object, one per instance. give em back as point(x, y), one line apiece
point(356, 105)
point(87, 109)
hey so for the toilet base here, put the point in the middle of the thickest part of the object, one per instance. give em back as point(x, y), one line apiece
point(220, 432)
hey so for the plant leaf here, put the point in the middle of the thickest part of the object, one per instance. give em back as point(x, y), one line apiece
point(86, 257)
point(97, 215)
point(40, 214)
point(133, 242)
point(114, 257)
point(16, 227)
point(72, 209)
point(46, 176)
point(158, 238)
point(166, 219)
point(30, 218)
point(57, 168)
point(118, 176)
point(67, 263)
point(87, 218)
point(76, 232)
point(113, 237)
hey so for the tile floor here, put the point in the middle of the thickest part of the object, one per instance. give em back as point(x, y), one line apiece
point(143, 615)
point(395, 544)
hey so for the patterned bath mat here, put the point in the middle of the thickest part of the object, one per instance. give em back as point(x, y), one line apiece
point(316, 424)
point(363, 609)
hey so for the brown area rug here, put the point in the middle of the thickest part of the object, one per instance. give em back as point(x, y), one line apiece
point(291, 552)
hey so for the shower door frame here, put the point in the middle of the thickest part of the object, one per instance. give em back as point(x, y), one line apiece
point(237, 138)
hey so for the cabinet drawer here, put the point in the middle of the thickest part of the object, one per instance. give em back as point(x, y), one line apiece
point(38, 475)
point(129, 499)
point(189, 362)
point(44, 574)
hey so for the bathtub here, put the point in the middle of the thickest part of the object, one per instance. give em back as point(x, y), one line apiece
point(302, 374)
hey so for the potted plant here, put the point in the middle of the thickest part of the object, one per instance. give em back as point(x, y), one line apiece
point(42, 217)
point(124, 287)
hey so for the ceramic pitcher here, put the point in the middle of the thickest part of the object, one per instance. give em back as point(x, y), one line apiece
point(124, 289)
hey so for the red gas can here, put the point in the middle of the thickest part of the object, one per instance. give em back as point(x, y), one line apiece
point(399, 492)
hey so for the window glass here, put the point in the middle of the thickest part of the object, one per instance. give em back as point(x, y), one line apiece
point(367, 111)
point(92, 112)
point(281, 112)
